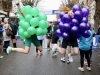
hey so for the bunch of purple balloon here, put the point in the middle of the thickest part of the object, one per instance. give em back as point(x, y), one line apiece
point(78, 25)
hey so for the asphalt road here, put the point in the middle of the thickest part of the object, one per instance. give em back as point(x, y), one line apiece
point(28, 64)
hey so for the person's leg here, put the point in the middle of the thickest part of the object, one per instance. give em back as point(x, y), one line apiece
point(1, 48)
point(70, 59)
point(41, 41)
point(88, 59)
point(74, 44)
point(36, 52)
point(63, 49)
point(22, 50)
point(90, 54)
point(48, 44)
point(76, 50)
point(81, 60)
point(4, 46)
point(54, 45)
point(37, 48)
point(36, 42)
point(7, 44)
point(13, 41)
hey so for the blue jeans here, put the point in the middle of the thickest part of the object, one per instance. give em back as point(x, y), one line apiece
point(6, 44)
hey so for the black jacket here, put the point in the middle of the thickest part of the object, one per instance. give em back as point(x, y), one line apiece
point(98, 33)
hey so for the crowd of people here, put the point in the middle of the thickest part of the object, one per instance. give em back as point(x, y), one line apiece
point(79, 44)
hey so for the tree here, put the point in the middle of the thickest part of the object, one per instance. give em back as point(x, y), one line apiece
point(97, 15)
point(7, 6)
point(31, 2)
point(66, 6)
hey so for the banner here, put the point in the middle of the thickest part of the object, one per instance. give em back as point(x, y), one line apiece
point(95, 42)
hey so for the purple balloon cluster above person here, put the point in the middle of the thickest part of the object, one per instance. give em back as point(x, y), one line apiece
point(77, 25)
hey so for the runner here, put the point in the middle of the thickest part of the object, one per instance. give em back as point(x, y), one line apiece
point(33, 39)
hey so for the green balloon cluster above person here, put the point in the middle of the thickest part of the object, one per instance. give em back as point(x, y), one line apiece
point(34, 22)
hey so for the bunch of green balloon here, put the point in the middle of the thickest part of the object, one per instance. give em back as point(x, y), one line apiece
point(32, 23)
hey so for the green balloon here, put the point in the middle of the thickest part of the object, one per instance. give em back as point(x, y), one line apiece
point(19, 27)
point(21, 32)
point(34, 11)
point(44, 31)
point(27, 9)
point(26, 34)
point(21, 22)
point(21, 17)
point(34, 22)
point(25, 25)
point(39, 31)
point(38, 18)
point(28, 17)
point(43, 24)
point(31, 30)
point(42, 16)
point(22, 37)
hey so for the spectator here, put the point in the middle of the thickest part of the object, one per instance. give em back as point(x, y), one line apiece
point(1, 36)
point(49, 36)
point(40, 38)
point(6, 37)
point(14, 28)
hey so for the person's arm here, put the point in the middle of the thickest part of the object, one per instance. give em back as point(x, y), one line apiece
point(20, 10)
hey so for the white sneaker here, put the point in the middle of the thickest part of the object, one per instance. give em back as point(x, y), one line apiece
point(68, 61)
point(70, 58)
point(63, 59)
point(81, 69)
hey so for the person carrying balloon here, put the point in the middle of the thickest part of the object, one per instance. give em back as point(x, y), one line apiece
point(66, 40)
point(71, 25)
point(30, 35)
point(85, 45)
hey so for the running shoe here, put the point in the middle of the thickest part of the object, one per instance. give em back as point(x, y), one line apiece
point(68, 61)
point(81, 69)
point(63, 59)
point(88, 68)
point(9, 49)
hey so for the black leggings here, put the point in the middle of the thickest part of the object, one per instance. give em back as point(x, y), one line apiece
point(41, 45)
point(6, 44)
point(86, 53)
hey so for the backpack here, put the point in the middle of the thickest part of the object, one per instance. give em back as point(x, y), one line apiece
point(8, 32)
point(14, 28)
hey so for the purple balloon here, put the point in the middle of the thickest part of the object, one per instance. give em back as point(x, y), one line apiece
point(65, 35)
point(58, 21)
point(66, 18)
point(61, 25)
point(85, 19)
point(76, 7)
point(78, 15)
point(62, 14)
point(58, 32)
point(66, 27)
point(82, 27)
point(86, 34)
point(85, 12)
point(74, 30)
point(75, 22)
point(88, 26)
